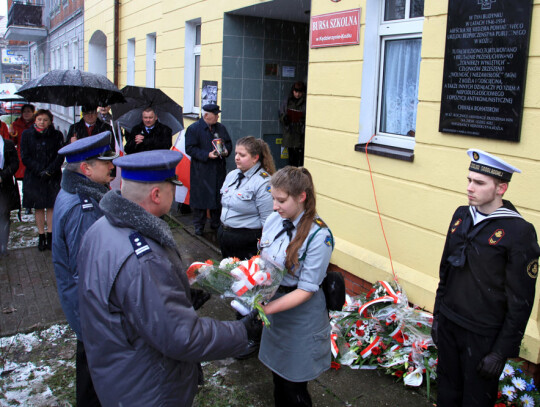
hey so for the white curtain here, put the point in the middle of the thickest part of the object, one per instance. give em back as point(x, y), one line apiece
point(400, 86)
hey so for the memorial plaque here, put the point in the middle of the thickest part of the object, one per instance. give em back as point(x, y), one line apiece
point(485, 63)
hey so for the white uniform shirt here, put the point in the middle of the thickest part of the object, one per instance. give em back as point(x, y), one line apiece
point(247, 205)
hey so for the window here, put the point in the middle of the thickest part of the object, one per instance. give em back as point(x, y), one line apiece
point(393, 42)
point(65, 57)
point(75, 52)
point(151, 60)
point(192, 67)
point(131, 61)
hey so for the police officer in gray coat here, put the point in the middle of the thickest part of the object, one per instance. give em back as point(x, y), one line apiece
point(143, 339)
point(84, 182)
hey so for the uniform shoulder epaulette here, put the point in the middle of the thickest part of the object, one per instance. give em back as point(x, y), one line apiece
point(86, 203)
point(140, 247)
point(320, 222)
point(264, 174)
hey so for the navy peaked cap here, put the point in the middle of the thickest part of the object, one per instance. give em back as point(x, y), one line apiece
point(212, 108)
point(88, 148)
point(150, 166)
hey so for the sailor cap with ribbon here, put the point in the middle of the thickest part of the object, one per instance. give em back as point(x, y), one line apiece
point(150, 166)
point(488, 164)
point(88, 148)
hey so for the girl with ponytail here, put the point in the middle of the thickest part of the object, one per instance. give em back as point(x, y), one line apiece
point(246, 200)
point(296, 348)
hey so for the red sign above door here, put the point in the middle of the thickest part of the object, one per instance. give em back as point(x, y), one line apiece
point(335, 29)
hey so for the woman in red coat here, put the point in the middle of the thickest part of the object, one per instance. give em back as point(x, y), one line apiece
point(24, 122)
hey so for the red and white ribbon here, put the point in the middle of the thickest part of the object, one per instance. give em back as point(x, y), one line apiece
point(367, 351)
point(335, 349)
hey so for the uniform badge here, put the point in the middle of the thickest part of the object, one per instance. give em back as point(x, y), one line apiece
point(320, 223)
point(496, 237)
point(86, 203)
point(328, 241)
point(140, 247)
point(264, 174)
point(268, 188)
point(455, 225)
point(475, 156)
point(532, 268)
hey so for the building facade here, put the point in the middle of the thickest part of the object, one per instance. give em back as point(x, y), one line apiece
point(255, 49)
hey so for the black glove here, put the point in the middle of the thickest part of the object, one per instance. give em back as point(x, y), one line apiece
point(286, 120)
point(199, 297)
point(253, 326)
point(44, 175)
point(434, 330)
point(491, 366)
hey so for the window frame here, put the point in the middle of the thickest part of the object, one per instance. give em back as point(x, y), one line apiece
point(376, 33)
point(192, 50)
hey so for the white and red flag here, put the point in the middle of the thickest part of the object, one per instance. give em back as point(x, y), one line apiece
point(182, 169)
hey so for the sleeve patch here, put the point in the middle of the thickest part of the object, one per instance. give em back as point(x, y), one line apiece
point(268, 188)
point(532, 268)
point(140, 247)
point(328, 241)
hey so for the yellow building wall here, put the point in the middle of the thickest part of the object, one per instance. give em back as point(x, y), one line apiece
point(416, 200)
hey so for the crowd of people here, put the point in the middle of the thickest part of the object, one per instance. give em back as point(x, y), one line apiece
point(122, 282)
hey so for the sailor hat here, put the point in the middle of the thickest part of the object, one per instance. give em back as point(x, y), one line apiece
point(88, 148)
point(150, 166)
point(488, 164)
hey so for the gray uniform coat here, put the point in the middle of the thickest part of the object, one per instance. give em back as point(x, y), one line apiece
point(297, 345)
point(142, 337)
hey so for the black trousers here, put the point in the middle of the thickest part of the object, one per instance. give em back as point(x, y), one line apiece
point(460, 351)
point(86, 395)
point(240, 242)
point(290, 394)
point(199, 218)
point(296, 156)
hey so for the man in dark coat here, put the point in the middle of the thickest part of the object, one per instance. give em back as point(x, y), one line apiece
point(149, 135)
point(89, 125)
point(9, 192)
point(143, 338)
point(486, 291)
point(208, 166)
point(84, 182)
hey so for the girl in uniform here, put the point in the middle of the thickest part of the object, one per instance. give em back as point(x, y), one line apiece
point(246, 200)
point(296, 347)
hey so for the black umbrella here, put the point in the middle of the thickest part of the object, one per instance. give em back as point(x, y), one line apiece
point(138, 98)
point(71, 87)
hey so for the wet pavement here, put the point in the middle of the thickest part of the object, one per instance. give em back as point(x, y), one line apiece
point(29, 301)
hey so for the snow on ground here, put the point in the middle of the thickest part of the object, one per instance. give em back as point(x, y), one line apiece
point(23, 233)
point(38, 369)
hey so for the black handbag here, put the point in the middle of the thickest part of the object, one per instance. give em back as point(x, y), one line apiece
point(333, 286)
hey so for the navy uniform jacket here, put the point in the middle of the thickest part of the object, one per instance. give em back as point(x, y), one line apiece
point(158, 138)
point(207, 175)
point(75, 210)
point(79, 129)
point(488, 275)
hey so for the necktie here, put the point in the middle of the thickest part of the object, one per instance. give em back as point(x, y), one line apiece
point(288, 227)
point(238, 180)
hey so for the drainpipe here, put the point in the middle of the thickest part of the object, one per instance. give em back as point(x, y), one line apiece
point(116, 60)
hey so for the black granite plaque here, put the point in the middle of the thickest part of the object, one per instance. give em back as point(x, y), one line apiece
point(485, 62)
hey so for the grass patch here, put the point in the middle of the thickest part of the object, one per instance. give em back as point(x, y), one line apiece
point(62, 385)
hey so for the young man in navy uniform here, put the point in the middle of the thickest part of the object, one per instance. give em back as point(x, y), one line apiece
point(486, 291)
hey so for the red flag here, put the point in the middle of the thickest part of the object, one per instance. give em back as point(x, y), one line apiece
point(182, 169)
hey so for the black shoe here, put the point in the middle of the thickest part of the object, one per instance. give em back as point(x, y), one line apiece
point(251, 350)
point(42, 243)
point(49, 241)
point(199, 232)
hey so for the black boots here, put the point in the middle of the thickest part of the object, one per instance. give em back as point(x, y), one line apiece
point(45, 241)
point(42, 244)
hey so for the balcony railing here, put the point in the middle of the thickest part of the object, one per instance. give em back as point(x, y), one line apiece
point(26, 13)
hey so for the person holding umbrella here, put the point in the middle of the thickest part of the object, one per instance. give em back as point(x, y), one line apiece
point(39, 153)
point(89, 125)
point(148, 135)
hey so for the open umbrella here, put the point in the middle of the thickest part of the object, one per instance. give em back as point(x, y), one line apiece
point(138, 98)
point(71, 87)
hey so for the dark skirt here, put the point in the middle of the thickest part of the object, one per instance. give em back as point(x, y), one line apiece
point(39, 194)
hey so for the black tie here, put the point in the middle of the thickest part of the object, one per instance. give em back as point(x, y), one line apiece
point(288, 227)
point(238, 180)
